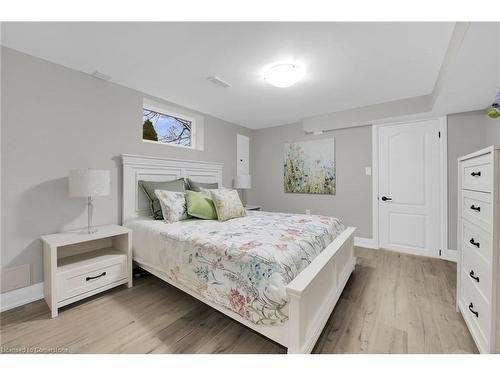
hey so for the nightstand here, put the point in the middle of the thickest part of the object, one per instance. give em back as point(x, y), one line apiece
point(77, 265)
point(251, 207)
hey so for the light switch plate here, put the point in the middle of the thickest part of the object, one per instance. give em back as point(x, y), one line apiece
point(368, 171)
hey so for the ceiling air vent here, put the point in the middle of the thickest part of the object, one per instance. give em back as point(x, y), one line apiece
point(219, 82)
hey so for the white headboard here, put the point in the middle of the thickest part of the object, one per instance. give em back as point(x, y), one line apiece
point(150, 168)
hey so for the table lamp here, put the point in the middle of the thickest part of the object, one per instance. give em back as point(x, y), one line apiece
point(243, 181)
point(89, 183)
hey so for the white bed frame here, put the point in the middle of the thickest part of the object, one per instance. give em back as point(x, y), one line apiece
point(313, 293)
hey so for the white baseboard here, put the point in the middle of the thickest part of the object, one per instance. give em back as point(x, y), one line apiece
point(22, 296)
point(365, 242)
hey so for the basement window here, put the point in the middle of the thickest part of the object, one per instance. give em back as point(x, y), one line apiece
point(161, 125)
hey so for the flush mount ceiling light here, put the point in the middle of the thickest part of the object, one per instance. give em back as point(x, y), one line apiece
point(284, 74)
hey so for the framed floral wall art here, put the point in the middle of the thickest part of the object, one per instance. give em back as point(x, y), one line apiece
point(309, 167)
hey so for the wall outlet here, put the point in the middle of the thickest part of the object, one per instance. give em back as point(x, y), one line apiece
point(308, 212)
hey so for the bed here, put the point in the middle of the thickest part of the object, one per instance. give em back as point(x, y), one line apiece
point(279, 274)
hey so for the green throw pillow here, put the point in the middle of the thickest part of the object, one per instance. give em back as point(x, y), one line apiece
point(200, 206)
point(149, 188)
point(195, 186)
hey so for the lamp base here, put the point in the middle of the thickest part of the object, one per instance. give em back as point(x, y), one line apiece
point(90, 210)
point(91, 230)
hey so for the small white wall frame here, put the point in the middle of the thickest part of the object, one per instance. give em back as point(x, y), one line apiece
point(242, 154)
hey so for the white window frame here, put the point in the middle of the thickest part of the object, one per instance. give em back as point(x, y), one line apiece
point(164, 110)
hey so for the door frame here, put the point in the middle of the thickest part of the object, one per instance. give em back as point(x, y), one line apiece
point(443, 183)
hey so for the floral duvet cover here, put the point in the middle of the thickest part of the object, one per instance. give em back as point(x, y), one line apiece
point(245, 263)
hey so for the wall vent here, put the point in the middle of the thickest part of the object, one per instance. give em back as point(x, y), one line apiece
point(219, 82)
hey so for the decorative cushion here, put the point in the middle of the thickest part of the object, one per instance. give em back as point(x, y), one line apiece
point(227, 204)
point(205, 192)
point(173, 205)
point(200, 205)
point(149, 188)
point(195, 186)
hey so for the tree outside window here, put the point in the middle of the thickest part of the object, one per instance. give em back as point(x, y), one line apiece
point(167, 129)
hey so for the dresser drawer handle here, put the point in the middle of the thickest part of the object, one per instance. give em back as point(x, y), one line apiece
point(95, 277)
point(471, 306)
point(471, 274)
point(478, 209)
point(476, 244)
point(474, 174)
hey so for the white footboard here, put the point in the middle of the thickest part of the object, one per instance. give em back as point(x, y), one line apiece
point(315, 291)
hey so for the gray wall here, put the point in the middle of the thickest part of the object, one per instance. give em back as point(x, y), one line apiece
point(467, 132)
point(353, 152)
point(55, 119)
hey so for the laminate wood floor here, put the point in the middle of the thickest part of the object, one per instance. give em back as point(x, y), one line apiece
point(393, 303)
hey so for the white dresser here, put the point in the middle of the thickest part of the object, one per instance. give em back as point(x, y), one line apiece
point(478, 278)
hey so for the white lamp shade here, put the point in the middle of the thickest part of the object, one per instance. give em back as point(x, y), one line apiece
point(243, 181)
point(88, 182)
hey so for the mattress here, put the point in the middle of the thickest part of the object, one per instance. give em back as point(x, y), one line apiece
point(243, 264)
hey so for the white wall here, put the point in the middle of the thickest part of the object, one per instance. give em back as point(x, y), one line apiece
point(55, 119)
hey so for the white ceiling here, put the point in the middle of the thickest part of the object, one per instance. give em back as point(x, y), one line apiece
point(349, 65)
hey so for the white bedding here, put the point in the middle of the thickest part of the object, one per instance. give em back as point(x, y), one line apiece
point(242, 264)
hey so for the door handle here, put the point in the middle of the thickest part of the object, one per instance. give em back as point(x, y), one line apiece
point(471, 274)
point(384, 198)
point(471, 306)
point(476, 244)
point(478, 208)
point(95, 277)
point(474, 174)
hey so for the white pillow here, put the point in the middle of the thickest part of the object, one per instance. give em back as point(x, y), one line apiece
point(227, 204)
point(173, 205)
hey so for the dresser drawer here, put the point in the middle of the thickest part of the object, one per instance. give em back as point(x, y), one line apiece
point(479, 272)
point(477, 240)
point(476, 309)
point(85, 275)
point(476, 207)
point(477, 173)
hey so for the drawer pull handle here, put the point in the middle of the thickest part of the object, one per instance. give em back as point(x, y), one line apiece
point(478, 209)
point(476, 244)
point(471, 306)
point(95, 277)
point(471, 274)
point(474, 174)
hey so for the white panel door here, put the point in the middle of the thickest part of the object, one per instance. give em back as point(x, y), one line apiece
point(409, 187)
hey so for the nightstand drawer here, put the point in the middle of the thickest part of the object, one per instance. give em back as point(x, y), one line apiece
point(86, 272)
